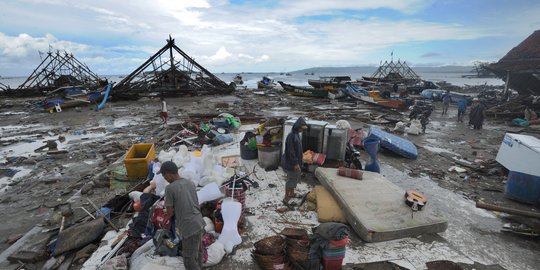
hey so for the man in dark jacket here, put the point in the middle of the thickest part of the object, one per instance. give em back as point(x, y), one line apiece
point(291, 161)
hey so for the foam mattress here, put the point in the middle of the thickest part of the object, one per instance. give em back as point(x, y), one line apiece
point(394, 143)
point(375, 207)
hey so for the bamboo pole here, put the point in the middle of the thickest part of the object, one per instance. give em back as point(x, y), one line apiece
point(507, 210)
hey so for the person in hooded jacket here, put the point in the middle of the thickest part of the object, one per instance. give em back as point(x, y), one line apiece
point(291, 161)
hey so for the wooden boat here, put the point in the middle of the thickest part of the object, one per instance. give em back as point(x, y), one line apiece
point(330, 82)
point(70, 96)
point(266, 83)
point(303, 91)
point(374, 97)
point(238, 79)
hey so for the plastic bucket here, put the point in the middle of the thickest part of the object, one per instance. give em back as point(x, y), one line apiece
point(248, 154)
point(269, 156)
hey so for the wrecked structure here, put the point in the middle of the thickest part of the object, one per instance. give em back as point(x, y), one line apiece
point(392, 71)
point(57, 69)
point(520, 67)
point(170, 72)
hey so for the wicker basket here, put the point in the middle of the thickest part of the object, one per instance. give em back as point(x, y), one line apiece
point(297, 244)
point(295, 233)
point(270, 262)
point(297, 250)
point(273, 245)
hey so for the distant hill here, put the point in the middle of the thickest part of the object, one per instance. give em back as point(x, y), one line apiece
point(371, 69)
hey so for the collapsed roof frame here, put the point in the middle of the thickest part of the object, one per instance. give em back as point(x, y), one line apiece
point(401, 68)
point(170, 77)
point(56, 65)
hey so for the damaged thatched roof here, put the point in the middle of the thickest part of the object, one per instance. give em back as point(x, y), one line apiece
point(523, 65)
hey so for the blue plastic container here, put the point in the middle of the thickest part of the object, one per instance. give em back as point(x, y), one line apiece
point(372, 144)
point(523, 187)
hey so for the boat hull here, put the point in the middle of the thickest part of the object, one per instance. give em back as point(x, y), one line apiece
point(368, 97)
point(303, 91)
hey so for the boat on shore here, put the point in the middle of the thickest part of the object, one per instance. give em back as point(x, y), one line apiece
point(330, 82)
point(238, 79)
point(374, 97)
point(70, 96)
point(303, 91)
point(266, 83)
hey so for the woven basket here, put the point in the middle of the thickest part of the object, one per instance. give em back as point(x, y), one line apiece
point(270, 262)
point(295, 233)
point(297, 244)
point(273, 245)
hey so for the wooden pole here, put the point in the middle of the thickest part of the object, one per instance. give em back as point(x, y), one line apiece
point(507, 210)
point(106, 219)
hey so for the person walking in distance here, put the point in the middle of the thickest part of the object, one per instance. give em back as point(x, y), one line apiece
point(181, 202)
point(477, 114)
point(164, 115)
point(462, 107)
point(446, 99)
point(291, 161)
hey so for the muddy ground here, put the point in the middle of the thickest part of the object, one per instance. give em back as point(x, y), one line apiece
point(95, 140)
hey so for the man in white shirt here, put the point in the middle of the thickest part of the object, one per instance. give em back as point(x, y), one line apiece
point(158, 183)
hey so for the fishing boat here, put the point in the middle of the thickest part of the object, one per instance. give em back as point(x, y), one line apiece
point(303, 91)
point(330, 82)
point(374, 97)
point(238, 79)
point(266, 83)
point(70, 96)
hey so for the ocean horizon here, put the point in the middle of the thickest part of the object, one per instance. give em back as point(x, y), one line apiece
point(450, 74)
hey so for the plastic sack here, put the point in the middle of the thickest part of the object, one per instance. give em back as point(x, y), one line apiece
point(209, 192)
point(216, 251)
point(209, 227)
point(415, 128)
point(400, 127)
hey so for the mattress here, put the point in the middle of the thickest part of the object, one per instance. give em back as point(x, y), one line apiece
point(394, 143)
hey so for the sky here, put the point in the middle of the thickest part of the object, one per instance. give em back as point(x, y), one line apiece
point(115, 37)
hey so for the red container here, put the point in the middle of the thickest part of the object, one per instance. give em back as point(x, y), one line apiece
point(332, 264)
point(338, 244)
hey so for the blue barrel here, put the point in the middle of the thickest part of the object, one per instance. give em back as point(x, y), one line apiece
point(523, 187)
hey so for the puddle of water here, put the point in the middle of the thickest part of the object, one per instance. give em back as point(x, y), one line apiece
point(26, 149)
point(12, 113)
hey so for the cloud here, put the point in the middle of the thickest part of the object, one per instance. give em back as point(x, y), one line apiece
point(224, 36)
point(431, 54)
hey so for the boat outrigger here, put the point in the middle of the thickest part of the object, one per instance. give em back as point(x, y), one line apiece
point(71, 96)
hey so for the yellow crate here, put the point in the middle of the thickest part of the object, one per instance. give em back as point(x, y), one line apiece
point(138, 159)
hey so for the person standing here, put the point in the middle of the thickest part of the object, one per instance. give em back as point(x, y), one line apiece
point(462, 107)
point(477, 114)
point(291, 161)
point(182, 203)
point(446, 99)
point(164, 115)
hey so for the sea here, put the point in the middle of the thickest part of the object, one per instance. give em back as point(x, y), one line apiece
point(449, 74)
